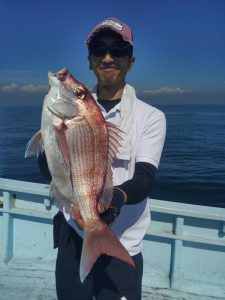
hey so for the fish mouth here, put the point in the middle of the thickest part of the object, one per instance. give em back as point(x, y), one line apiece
point(61, 75)
point(52, 74)
point(63, 71)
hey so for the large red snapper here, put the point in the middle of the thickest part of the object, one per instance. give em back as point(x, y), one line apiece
point(80, 147)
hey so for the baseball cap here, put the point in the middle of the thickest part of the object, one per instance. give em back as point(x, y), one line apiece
point(115, 25)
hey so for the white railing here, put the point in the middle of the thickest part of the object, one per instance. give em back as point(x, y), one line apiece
point(184, 247)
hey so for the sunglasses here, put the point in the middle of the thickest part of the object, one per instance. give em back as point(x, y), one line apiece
point(116, 50)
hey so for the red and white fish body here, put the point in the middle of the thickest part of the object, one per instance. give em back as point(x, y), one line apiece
point(80, 147)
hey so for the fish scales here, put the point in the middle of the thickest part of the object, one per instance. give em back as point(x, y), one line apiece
point(81, 141)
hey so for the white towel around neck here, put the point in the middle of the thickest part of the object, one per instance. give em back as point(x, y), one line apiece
point(127, 111)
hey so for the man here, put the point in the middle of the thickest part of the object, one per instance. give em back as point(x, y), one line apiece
point(110, 47)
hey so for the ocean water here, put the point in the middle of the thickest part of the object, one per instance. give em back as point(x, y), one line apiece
point(192, 168)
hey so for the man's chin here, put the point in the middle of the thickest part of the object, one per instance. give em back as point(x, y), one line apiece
point(108, 82)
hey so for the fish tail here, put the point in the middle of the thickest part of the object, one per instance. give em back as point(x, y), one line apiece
point(101, 241)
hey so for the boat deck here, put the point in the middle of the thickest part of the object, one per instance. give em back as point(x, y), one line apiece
point(22, 280)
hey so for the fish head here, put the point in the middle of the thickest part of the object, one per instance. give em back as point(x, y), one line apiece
point(60, 99)
point(70, 98)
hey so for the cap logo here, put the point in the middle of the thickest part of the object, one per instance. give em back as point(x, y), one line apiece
point(113, 24)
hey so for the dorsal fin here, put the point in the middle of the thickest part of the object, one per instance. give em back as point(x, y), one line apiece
point(115, 138)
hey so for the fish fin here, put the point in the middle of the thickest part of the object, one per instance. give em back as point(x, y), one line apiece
point(107, 191)
point(59, 129)
point(35, 145)
point(77, 216)
point(114, 143)
point(101, 241)
point(59, 200)
point(115, 131)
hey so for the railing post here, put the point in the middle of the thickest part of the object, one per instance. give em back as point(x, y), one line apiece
point(7, 228)
point(177, 250)
point(223, 227)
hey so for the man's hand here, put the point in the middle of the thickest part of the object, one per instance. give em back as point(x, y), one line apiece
point(112, 213)
point(107, 215)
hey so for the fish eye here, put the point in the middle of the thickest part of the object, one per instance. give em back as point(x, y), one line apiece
point(79, 93)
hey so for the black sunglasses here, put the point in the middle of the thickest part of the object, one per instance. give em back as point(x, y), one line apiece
point(116, 50)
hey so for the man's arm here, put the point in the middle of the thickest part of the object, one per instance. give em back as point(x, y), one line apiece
point(139, 187)
point(131, 191)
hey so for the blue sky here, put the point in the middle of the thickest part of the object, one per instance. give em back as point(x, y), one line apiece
point(179, 47)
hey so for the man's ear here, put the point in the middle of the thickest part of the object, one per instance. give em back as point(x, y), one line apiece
point(132, 60)
point(89, 59)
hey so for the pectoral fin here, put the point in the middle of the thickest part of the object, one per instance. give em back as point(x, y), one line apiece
point(59, 128)
point(35, 146)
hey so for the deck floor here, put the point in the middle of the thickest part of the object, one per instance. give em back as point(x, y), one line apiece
point(18, 281)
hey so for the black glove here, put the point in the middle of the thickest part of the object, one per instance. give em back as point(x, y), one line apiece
point(118, 199)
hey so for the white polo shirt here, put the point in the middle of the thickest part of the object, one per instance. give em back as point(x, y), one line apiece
point(148, 135)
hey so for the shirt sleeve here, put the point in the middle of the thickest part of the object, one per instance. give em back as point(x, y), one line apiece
point(152, 139)
point(148, 156)
point(139, 187)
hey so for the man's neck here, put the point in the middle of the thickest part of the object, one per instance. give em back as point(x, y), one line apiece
point(110, 92)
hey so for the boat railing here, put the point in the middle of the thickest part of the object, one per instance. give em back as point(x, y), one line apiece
point(184, 248)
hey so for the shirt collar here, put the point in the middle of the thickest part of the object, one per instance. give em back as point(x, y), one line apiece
point(116, 108)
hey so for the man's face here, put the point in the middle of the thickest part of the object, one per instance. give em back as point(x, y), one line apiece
point(110, 70)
